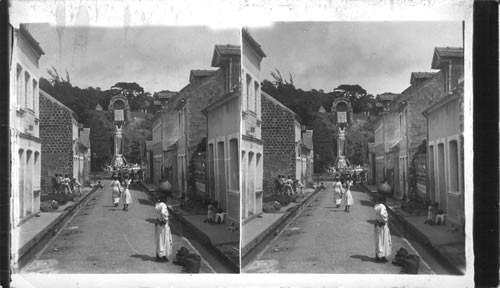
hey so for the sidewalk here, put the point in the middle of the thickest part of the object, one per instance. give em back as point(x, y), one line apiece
point(442, 239)
point(260, 230)
point(215, 237)
point(32, 235)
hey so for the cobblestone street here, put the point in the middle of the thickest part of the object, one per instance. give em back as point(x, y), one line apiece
point(325, 239)
point(105, 239)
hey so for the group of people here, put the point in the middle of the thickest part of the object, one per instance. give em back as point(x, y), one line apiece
point(130, 174)
point(65, 184)
point(121, 193)
point(214, 214)
point(163, 236)
point(382, 235)
point(288, 186)
point(341, 194)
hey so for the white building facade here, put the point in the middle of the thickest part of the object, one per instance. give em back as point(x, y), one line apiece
point(24, 126)
point(251, 142)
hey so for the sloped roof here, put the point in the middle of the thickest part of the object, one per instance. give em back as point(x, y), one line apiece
point(445, 53)
point(51, 98)
point(222, 52)
point(23, 29)
point(200, 74)
point(387, 96)
point(165, 94)
point(421, 75)
point(256, 46)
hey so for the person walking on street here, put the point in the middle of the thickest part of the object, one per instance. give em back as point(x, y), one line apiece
point(116, 188)
point(337, 192)
point(127, 198)
point(163, 236)
point(348, 200)
point(383, 243)
point(76, 186)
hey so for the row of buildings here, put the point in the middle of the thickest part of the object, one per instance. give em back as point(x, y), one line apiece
point(46, 137)
point(418, 145)
point(220, 138)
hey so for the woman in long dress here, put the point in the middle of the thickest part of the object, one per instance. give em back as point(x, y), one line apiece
point(337, 192)
point(116, 189)
point(348, 200)
point(163, 237)
point(382, 235)
point(126, 197)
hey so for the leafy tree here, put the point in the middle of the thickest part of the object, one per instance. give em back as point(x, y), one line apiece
point(306, 103)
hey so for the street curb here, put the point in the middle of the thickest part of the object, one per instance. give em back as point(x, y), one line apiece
point(254, 247)
point(201, 237)
point(409, 229)
point(32, 247)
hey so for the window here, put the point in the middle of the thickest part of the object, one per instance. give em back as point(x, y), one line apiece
point(441, 176)
point(211, 171)
point(453, 166)
point(432, 181)
point(234, 168)
point(19, 83)
point(258, 167)
point(36, 167)
point(35, 85)
point(221, 173)
point(257, 94)
point(250, 95)
point(27, 90)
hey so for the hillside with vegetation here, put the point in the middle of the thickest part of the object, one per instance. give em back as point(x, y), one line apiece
point(307, 104)
point(83, 102)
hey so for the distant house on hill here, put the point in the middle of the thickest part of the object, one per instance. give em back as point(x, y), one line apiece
point(160, 99)
point(322, 109)
point(383, 101)
point(98, 107)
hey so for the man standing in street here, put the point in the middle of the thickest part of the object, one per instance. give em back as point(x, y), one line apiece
point(383, 244)
point(163, 237)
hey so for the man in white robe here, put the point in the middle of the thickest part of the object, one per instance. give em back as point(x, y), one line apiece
point(163, 237)
point(383, 244)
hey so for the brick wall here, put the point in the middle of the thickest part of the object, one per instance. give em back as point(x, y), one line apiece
point(278, 134)
point(56, 135)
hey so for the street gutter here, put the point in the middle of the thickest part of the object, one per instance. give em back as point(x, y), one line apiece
point(253, 248)
point(30, 250)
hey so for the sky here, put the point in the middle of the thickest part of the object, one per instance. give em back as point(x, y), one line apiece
point(378, 56)
point(157, 58)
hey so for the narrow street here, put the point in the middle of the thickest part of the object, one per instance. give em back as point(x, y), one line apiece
point(325, 239)
point(102, 238)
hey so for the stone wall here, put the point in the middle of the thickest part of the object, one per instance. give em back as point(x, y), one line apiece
point(418, 99)
point(278, 134)
point(55, 134)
